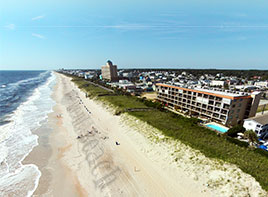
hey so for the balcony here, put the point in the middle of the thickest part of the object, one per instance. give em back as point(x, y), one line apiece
point(210, 108)
point(217, 109)
point(224, 111)
point(215, 115)
point(223, 118)
point(218, 99)
point(226, 106)
point(211, 102)
point(218, 104)
point(211, 97)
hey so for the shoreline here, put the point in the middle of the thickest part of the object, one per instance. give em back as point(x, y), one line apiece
point(46, 157)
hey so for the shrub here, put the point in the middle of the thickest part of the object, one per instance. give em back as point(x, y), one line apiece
point(237, 142)
point(262, 152)
point(232, 132)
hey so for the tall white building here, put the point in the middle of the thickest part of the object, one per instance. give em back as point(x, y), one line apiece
point(109, 71)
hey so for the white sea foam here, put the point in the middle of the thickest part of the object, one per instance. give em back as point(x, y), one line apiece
point(17, 141)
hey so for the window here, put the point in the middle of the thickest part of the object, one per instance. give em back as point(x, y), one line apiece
point(240, 100)
point(232, 111)
point(239, 105)
point(233, 105)
point(230, 117)
point(238, 110)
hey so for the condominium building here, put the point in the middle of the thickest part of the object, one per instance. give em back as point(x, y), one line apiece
point(109, 71)
point(226, 107)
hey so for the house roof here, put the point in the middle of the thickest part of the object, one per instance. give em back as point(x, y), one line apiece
point(260, 119)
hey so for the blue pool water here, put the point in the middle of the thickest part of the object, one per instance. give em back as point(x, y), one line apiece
point(218, 128)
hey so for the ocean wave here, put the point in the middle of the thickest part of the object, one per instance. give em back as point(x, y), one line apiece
point(17, 92)
point(17, 140)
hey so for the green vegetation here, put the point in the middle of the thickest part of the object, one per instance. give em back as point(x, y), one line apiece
point(232, 132)
point(90, 89)
point(187, 130)
point(251, 136)
point(123, 102)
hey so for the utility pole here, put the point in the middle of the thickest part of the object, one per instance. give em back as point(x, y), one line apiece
point(263, 108)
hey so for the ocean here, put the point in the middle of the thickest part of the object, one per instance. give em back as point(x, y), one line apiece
point(25, 101)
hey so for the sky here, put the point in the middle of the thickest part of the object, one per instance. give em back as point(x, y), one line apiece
point(52, 34)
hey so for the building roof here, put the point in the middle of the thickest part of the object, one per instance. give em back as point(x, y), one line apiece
point(213, 92)
point(260, 119)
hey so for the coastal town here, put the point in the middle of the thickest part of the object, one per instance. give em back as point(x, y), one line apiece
point(225, 103)
point(134, 98)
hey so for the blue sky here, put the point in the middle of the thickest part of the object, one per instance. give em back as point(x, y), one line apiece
point(37, 34)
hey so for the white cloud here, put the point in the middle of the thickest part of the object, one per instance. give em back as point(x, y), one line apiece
point(10, 26)
point(38, 17)
point(38, 36)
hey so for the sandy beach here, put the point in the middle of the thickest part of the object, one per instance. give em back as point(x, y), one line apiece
point(85, 150)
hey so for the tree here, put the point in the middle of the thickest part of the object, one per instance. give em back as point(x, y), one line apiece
point(232, 132)
point(251, 136)
point(226, 86)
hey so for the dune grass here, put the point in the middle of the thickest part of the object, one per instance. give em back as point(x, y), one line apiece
point(187, 130)
point(123, 102)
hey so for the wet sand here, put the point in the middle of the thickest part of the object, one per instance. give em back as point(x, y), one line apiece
point(57, 179)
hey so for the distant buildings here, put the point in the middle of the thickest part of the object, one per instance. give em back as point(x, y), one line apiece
point(263, 84)
point(89, 75)
point(217, 83)
point(109, 71)
point(224, 106)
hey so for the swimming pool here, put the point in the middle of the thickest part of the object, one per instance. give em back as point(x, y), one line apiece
point(217, 127)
